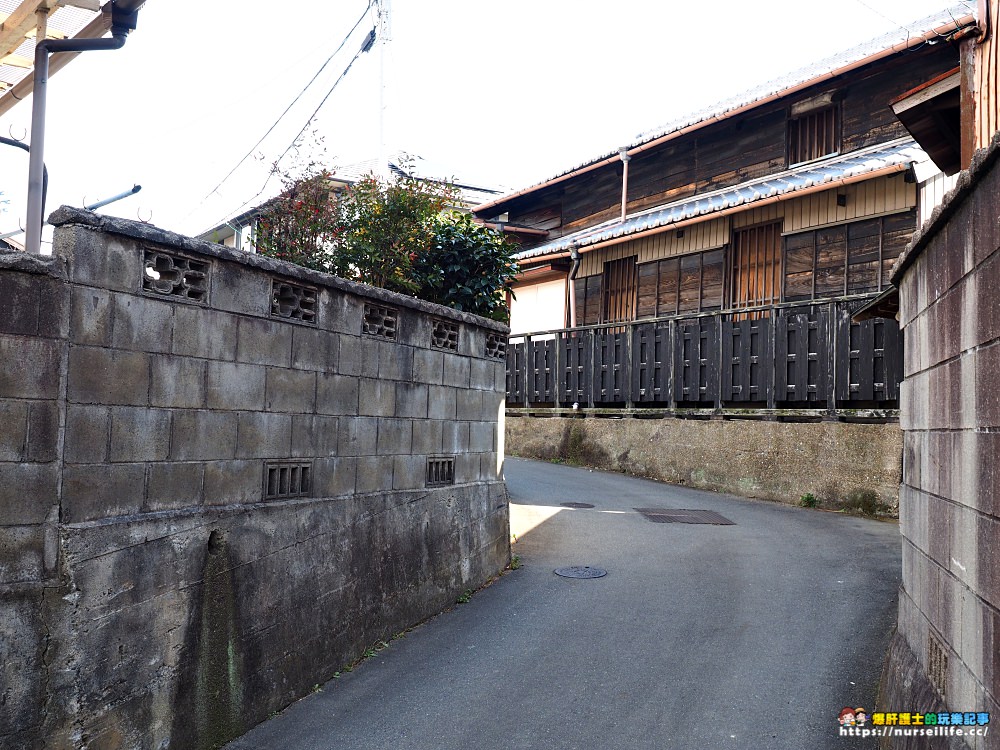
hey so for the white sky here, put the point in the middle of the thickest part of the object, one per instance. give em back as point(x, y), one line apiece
point(501, 94)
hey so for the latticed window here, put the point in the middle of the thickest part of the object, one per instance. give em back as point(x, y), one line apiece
point(813, 135)
point(756, 268)
point(620, 282)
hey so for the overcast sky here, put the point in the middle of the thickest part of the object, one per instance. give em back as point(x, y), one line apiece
point(501, 94)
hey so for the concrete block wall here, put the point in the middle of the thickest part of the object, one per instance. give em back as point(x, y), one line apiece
point(218, 484)
point(949, 614)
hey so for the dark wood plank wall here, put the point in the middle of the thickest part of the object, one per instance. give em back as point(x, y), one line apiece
point(730, 152)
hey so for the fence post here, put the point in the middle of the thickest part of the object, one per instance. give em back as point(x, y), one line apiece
point(528, 361)
point(831, 349)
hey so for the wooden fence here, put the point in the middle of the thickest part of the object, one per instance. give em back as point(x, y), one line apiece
point(802, 357)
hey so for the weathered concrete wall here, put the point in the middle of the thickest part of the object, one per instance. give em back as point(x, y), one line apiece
point(773, 460)
point(949, 612)
point(214, 482)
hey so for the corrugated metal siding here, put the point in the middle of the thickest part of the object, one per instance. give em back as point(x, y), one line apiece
point(987, 120)
point(876, 197)
point(932, 192)
point(706, 235)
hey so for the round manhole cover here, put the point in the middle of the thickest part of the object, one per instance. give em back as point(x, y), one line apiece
point(581, 571)
point(577, 505)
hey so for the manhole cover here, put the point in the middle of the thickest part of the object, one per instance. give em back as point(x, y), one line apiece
point(682, 515)
point(581, 571)
point(577, 505)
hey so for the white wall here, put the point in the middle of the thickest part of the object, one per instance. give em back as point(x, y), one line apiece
point(538, 307)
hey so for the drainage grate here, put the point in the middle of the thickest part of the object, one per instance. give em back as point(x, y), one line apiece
point(682, 515)
point(581, 506)
point(287, 479)
point(440, 471)
point(580, 571)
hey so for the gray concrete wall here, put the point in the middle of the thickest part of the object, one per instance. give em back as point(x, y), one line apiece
point(156, 591)
point(771, 460)
point(948, 640)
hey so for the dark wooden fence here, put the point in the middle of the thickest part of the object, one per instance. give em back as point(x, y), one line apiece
point(804, 356)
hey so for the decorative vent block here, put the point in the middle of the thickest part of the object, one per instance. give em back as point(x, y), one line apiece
point(380, 321)
point(440, 471)
point(287, 479)
point(293, 302)
point(496, 346)
point(445, 335)
point(937, 664)
point(175, 276)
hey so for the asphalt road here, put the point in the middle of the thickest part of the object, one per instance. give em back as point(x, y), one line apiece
point(752, 636)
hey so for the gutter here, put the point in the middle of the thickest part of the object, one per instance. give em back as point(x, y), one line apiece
point(916, 41)
point(822, 187)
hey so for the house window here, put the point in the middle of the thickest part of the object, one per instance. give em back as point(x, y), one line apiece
point(756, 268)
point(814, 134)
point(619, 284)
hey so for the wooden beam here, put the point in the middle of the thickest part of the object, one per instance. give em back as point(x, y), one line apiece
point(17, 25)
point(92, 5)
point(16, 61)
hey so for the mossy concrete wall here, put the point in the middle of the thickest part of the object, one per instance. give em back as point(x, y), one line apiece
point(214, 482)
point(771, 460)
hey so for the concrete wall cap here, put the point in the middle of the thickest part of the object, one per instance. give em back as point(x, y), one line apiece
point(65, 216)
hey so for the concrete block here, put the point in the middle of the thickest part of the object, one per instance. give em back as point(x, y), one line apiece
point(987, 398)
point(493, 405)
point(88, 433)
point(18, 303)
point(409, 472)
point(43, 431)
point(455, 437)
point(395, 436)
point(141, 324)
point(339, 312)
point(103, 260)
point(357, 436)
point(22, 554)
point(93, 492)
point(427, 436)
point(489, 468)
point(467, 467)
point(314, 349)
point(139, 434)
point(482, 374)
point(264, 342)
point(29, 367)
point(442, 402)
point(482, 437)
point(290, 390)
point(336, 394)
point(13, 430)
point(264, 435)
point(27, 492)
point(177, 382)
point(240, 289)
point(203, 435)
point(395, 361)
point(374, 473)
point(457, 370)
point(107, 376)
point(376, 398)
point(201, 332)
point(53, 308)
point(335, 477)
point(314, 436)
point(469, 404)
point(428, 366)
point(234, 386)
point(411, 400)
point(174, 485)
point(233, 482)
point(358, 356)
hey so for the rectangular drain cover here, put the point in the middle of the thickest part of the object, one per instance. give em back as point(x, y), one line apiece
point(680, 515)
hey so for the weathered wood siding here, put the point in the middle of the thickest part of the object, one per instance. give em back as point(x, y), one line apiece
point(986, 120)
point(730, 152)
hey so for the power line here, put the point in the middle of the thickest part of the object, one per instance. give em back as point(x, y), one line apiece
point(366, 45)
point(289, 107)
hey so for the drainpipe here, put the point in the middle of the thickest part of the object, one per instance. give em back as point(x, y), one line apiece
point(123, 20)
point(623, 151)
point(574, 254)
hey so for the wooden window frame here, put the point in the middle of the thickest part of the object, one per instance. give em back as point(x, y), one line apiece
point(619, 289)
point(832, 133)
point(761, 289)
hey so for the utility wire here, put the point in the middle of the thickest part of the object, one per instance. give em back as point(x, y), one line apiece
point(294, 102)
point(367, 45)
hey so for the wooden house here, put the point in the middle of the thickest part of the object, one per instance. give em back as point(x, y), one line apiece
point(713, 265)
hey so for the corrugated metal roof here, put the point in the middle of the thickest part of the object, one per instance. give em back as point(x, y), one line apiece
point(900, 152)
point(950, 17)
